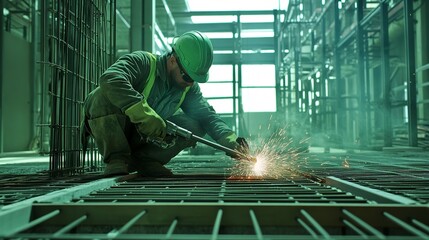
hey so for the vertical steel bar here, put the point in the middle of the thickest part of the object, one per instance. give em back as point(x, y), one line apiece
point(234, 77)
point(323, 81)
point(255, 223)
point(385, 73)
point(316, 225)
point(239, 58)
point(297, 54)
point(70, 226)
point(340, 126)
point(411, 72)
point(365, 225)
point(171, 229)
point(1, 76)
point(277, 59)
point(362, 132)
point(216, 225)
point(406, 226)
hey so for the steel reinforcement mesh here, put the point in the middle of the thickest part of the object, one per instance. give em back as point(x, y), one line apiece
point(77, 45)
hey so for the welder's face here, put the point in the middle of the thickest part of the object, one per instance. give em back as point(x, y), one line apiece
point(179, 77)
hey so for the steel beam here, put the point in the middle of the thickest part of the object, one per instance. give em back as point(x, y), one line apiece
point(410, 59)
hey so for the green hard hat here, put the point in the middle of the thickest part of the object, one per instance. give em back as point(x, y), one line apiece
point(195, 53)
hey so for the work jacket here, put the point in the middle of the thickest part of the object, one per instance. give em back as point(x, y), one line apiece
point(123, 83)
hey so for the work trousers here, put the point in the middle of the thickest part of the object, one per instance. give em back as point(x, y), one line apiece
point(118, 139)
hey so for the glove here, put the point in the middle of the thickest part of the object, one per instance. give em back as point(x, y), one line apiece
point(148, 122)
point(230, 140)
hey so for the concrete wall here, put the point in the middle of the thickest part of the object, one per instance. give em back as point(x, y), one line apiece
point(17, 94)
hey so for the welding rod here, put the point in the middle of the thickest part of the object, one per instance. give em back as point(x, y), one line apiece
point(176, 130)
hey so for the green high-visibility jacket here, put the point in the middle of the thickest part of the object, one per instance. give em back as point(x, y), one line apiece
point(124, 82)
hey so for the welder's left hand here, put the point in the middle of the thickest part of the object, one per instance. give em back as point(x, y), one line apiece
point(231, 140)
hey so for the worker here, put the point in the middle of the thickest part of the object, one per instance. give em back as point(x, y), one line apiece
point(139, 92)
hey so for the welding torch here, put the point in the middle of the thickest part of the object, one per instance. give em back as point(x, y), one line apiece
point(174, 130)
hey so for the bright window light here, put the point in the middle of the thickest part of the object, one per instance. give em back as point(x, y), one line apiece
point(210, 90)
point(220, 73)
point(257, 33)
point(213, 19)
point(258, 75)
point(259, 99)
point(257, 18)
point(212, 35)
point(235, 5)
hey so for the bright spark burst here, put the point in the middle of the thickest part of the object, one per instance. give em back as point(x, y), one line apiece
point(275, 158)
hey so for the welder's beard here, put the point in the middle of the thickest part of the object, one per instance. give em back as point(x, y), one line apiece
point(176, 82)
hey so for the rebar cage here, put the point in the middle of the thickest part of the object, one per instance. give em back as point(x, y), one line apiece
point(77, 43)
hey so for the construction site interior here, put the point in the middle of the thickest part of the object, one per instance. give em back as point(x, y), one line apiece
point(331, 95)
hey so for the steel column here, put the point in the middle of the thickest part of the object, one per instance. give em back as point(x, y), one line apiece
point(323, 81)
point(142, 25)
point(277, 59)
point(362, 131)
point(411, 72)
point(1, 76)
point(385, 73)
point(339, 83)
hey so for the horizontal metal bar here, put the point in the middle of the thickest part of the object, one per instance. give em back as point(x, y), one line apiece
point(369, 193)
point(225, 13)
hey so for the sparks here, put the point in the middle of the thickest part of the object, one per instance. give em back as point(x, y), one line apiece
point(275, 158)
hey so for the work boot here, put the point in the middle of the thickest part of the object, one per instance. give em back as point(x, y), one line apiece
point(116, 167)
point(150, 169)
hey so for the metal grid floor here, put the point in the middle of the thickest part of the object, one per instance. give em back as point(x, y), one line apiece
point(203, 201)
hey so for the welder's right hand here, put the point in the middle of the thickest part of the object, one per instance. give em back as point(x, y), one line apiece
point(231, 140)
point(148, 122)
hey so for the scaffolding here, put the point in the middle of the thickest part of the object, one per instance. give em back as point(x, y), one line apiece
point(351, 68)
